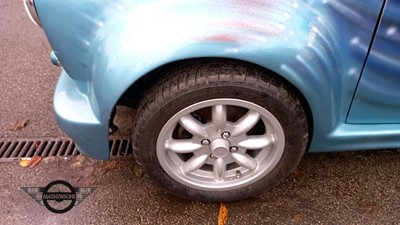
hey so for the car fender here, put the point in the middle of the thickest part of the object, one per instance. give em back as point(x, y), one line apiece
point(110, 45)
point(295, 44)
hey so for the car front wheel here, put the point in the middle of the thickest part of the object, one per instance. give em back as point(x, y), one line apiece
point(219, 131)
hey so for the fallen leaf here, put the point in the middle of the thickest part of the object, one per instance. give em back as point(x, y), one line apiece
point(138, 171)
point(223, 214)
point(25, 162)
point(297, 173)
point(79, 161)
point(368, 207)
point(111, 165)
point(296, 217)
point(37, 145)
point(34, 161)
point(19, 125)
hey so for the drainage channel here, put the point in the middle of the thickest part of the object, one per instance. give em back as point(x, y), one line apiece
point(21, 148)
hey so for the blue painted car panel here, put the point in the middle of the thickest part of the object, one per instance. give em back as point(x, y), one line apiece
point(377, 97)
point(320, 47)
point(75, 115)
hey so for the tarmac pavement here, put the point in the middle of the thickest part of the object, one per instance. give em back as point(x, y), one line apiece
point(329, 188)
point(334, 188)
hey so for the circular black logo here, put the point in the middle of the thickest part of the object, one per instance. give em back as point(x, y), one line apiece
point(59, 196)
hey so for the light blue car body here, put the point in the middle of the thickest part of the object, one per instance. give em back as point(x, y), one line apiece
point(343, 57)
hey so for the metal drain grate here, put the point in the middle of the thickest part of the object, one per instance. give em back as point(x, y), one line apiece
point(120, 147)
point(15, 149)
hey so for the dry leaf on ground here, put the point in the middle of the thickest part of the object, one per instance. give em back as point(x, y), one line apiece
point(30, 162)
point(37, 144)
point(35, 160)
point(24, 162)
point(137, 170)
point(297, 173)
point(223, 214)
point(79, 161)
point(19, 125)
point(368, 207)
point(111, 165)
point(296, 217)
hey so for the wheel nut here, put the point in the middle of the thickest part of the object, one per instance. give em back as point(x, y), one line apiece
point(205, 142)
point(212, 156)
point(238, 174)
point(233, 149)
point(225, 135)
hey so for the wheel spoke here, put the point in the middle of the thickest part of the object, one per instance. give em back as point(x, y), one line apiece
point(219, 117)
point(257, 141)
point(245, 160)
point(182, 146)
point(219, 169)
point(194, 163)
point(245, 123)
point(193, 126)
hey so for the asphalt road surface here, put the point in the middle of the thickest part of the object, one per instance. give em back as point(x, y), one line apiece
point(330, 188)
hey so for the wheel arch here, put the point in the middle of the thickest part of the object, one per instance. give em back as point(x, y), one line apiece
point(132, 96)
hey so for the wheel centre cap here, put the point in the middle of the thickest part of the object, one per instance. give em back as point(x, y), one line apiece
point(220, 147)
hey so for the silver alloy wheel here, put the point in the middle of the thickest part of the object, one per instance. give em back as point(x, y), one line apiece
point(220, 153)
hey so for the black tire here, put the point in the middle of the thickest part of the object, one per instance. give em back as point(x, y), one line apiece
point(199, 81)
